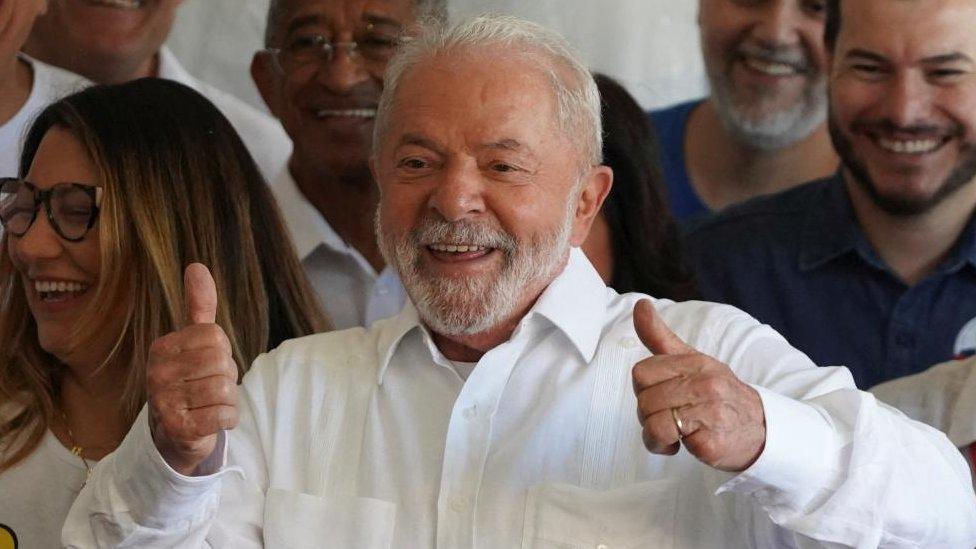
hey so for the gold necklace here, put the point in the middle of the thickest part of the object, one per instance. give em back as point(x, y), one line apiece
point(76, 449)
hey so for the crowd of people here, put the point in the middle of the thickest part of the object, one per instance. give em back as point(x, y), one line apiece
point(419, 303)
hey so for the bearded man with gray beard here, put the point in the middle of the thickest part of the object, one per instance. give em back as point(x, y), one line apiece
point(762, 128)
point(498, 408)
point(874, 267)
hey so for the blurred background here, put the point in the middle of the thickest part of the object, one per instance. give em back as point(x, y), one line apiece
point(651, 46)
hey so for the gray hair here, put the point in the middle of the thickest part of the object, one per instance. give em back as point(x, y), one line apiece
point(434, 10)
point(577, 98)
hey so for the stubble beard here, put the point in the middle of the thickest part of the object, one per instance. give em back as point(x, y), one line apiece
point(900, 206)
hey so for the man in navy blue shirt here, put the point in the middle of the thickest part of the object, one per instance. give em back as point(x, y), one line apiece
point(875, 267)
point(762, 130)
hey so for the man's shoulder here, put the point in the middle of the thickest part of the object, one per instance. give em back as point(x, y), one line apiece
point(707, 326)
point(775, 219)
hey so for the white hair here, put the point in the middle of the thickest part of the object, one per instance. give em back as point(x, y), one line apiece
point(577, 99)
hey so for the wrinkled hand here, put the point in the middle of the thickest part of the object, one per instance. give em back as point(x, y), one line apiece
point(723, 421)
point(192, 380)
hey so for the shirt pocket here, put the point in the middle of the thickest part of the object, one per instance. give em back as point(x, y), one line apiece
point(568, 517)
point(295, 520)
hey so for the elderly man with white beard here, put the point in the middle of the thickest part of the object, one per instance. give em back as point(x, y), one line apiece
point(498, 408)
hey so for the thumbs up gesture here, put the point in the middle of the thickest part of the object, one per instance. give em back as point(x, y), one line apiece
point(191, 380)
point(686, 396)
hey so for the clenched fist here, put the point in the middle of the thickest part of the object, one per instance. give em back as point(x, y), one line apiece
point(721, 419)
point(192, 380)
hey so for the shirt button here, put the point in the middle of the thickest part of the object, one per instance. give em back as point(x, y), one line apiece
point(470, 412)
point(459, 504)
point(603, 546)
point(383, 290)
point(629, 342)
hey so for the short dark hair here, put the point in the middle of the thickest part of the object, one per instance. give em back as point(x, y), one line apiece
point(644, 239)
point(832, 25)
point(426, 9)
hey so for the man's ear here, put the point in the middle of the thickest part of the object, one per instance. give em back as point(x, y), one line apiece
point(597, 185)
point(263, 74)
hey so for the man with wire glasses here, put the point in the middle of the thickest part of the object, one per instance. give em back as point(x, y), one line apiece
point(321, 75)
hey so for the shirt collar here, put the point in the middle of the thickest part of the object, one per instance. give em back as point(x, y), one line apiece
point(575, 303)
point(308, 228)
point(830, 228)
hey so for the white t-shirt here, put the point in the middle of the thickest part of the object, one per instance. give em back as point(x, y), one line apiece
point(50, 84)
point(35, 495)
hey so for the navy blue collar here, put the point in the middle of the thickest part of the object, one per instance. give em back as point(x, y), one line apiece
point(831, 231)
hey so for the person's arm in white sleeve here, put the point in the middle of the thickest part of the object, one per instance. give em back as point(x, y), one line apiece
point(838, 467)
point(134, 499)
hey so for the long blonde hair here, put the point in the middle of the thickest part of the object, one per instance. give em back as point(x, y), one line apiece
point(179, 186)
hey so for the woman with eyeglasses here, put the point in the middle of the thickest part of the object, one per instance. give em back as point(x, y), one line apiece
point(120, 188)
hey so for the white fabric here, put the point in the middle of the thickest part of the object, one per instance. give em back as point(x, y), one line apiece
point(50, 84)
point(263, 135)
point(944, 396)
point(350, 290)
point(650, 45)
point(216, 40)
point(35, 495)
point(368, 438)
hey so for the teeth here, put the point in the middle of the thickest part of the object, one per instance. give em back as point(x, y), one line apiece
point(770, 67)
point(129, 4)
point(916, 146)
point(353, 113)
point(455, 248)
point(44, 286)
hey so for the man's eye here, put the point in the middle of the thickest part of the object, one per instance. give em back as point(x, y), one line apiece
point(307, 42)
point(503, 168)
point(945, 73)
point(412, 164)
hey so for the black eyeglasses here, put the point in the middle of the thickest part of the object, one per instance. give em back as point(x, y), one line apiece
point(375, 47)
point(71, 208)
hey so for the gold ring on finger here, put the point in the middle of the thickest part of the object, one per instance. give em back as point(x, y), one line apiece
point(678, 423)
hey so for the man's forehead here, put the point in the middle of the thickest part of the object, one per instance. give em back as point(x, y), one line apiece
point(344, 12)
point(914, 28)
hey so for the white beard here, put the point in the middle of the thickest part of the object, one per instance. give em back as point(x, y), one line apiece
point(472, 305)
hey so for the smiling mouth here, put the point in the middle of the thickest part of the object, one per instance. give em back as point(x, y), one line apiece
point(122, 4)
point(909, 146)
point(346, 113)
point(54, 292)
point(771, 68)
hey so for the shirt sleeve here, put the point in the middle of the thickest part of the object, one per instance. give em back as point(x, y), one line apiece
point(839, 467)
point(134, 499)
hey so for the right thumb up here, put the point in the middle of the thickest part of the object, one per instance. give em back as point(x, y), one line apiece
point(200, 291)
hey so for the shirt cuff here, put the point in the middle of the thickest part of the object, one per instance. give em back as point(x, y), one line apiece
point(164, 495)
point(800, 458)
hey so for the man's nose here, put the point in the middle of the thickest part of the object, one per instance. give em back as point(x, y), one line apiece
point(460, 193)
point(778, 24)
point(39, 243)
point(907, 100)
point(343, 71)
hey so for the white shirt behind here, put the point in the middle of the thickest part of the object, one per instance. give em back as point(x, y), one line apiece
point(50, 84)
point(350, 290)
point(262, 134)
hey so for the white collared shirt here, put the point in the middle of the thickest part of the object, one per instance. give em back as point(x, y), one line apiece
point(350, 290)
point(263, 135)
point(369, 438)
